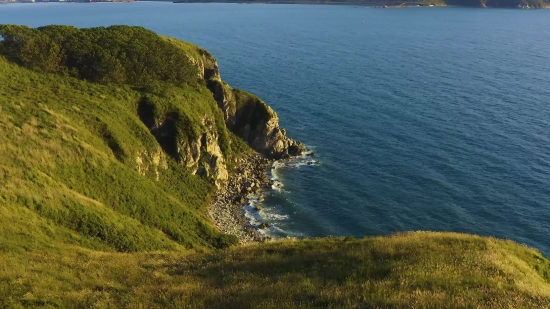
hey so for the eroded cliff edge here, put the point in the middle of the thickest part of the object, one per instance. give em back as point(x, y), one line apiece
point(194, 116)
point(248, 116)
point(135, 127)
point(203, 148)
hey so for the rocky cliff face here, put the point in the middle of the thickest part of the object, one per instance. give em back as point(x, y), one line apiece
point(248, 116)
point(258, 125)
point(151, 162)
point(200, 151)
point(203, 153)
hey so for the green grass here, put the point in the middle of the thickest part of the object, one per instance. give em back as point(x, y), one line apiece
point(413, 270)
point(70, 152)
point(95, 213)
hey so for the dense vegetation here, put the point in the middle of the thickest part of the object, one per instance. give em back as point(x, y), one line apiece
point(75, 153)
point(114, 55)
point(95, 212)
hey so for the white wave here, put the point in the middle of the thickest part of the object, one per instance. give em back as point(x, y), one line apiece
point(308, 153)
point(272, 231)
point(307, 161)
point(278, 164)
point(273, 171)
point(257, 213)
point(253, 215)
point(253, 198)
point(313, 163)
point(275, 217)
point(304, 162)
point(277, 185)
point(264, 232)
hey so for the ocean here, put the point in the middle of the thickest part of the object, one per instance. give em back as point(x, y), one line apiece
point(420, 118)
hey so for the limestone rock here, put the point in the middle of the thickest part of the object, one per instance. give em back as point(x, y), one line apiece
point(257, 123)
point(204, 153)
point(151, 162)
point(246, 115)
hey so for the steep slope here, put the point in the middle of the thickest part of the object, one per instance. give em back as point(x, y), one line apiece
point(77, 158)
point(245, 114)
point(125, 161)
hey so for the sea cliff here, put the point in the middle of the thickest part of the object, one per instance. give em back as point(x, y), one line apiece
point(116, 145)
point(251, 119)
point(159, 109)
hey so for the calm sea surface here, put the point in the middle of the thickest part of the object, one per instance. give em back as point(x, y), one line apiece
point(421, 118)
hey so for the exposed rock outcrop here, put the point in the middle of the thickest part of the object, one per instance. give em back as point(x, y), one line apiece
point(223, 94)
point(227, 207)
point(209, 158)
point(248, 116)
point(258, 125)
point(151, 162)
point(200, 151)
point(207, 65)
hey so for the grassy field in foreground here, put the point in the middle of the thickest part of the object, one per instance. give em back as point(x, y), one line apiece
point(413, 270)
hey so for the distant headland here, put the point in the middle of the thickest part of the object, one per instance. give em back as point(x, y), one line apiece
point(78, 1)
point(126, 161)
point(520, 4)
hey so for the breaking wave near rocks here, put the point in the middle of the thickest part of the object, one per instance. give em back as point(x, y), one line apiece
point(271, 210)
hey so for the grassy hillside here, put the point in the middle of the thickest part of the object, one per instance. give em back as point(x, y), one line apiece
point(102, 205)
point(416, 270)
point(79, 166)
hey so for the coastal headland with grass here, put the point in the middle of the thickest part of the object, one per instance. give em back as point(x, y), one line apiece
point(125, 165)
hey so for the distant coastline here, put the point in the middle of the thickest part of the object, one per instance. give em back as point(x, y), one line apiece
point(62, 1)
point(369, 3)
point(518, 4)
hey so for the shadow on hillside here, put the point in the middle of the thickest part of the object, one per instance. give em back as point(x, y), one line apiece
point(165, 131)
point(268, 274)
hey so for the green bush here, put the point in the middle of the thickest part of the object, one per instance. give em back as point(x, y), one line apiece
point(117, 54)
point(225, 240)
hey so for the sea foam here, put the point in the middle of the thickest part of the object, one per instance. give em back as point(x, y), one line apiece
point(257, 212)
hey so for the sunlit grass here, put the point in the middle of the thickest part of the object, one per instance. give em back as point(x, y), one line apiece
point(414, 270)
point(77, 156)
point(94, 214)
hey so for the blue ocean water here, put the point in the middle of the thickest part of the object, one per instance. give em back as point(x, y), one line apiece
point(421, 118)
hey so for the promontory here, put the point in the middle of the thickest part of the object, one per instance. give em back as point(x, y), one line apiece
point(117, 149)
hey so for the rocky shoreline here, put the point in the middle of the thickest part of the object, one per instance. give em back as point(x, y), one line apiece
point(226, 209)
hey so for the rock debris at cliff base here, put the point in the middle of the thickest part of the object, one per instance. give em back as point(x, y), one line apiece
point(226, 209)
